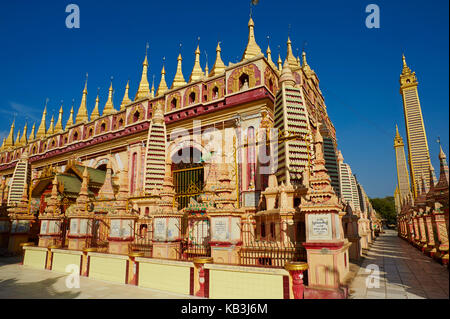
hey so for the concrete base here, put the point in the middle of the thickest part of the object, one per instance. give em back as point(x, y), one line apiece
point(170, 250)
point(355, 249)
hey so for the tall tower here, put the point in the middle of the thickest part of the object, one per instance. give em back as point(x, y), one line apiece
point(403, 185)
point(419, 159)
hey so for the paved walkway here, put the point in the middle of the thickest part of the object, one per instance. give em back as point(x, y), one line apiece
point(405, 272)
point(18, 281)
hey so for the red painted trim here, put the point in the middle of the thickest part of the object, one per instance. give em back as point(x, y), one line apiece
point(51, 261)
point(81, 265)
point(136, 277)
point(224, 243)
point(206, 287)
point(286, 287)
point(331, 246)
point(191, 281)
point(127, 271)
point(120, 238)
point(46, 259)
point(88, 265)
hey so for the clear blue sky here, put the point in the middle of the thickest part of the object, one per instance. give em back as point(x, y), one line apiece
point(358, 68)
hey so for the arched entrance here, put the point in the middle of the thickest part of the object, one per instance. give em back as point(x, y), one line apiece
point(188, 175)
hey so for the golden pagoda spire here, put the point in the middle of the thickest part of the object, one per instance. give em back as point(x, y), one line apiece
point(406, 69)
point(42, 130)
point(179, 78)
point(280, 63)
point(109, 106)
point(95, 114)
point(305, 64)
point(287, 77)
point(51, 129)
point(219, 66)
point(23, 139)
point(2, 148)
point(58, 126)
point(197, 72)
point(162, 85)
point(10, 139)
point(143, 90)
point(17, 143)
point(152, 91)
point(82, 115)
point(32, 134)
point(126, 100)
point(70, 120)
point(269, 55)
point(290, 56)
point(252, 50)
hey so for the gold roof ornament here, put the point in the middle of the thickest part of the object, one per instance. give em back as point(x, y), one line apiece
point(17, 143)
point(70, 120)
point(144, 89)
point(109, 106)
point(406, 69)
point(305, 65)
point(290, 56)
point(95, 113)
point(252, 50)
point(152, 91)
point(82, 115)
point(269, 56)
point(3, 147)
point(219, 66)
point(58, 126)
point(162, 84)
point(32, 134)
point(280, 63)
point(197, 72)
point(179, 78)
point(23, 139)
point(42, 130)
point(126, 100)
point(10, 139)
point(51, 129)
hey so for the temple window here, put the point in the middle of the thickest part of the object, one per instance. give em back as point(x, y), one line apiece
point(65, 140)
point(103, 127)
point(270, 85)
point(173, 104)
point(75, 137)
point(136, 116)
point(215, 92)
point(263, 230)
point(147, 211)
point(34, 150)
point(53, 143)
point(120, 122)
point(243, 81)
point(143, 230)
point(90, 132)
point(192, 98)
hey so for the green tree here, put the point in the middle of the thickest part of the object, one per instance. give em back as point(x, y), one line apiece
point(386, 208)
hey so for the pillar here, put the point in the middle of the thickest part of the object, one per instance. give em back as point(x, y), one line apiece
point(201, 286)
point(133, 268)
point(296, 270)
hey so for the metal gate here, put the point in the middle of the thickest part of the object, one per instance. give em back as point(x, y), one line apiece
point(188, 184)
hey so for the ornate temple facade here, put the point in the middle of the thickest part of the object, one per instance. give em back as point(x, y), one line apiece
point(421, 201)
point(237, 166)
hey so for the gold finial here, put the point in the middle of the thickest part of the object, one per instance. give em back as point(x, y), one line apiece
point(305, 64)
point(144, 88)
point(32, 134)
point(82, 115)
point(405, 69)
point(2, 148)
point(279, 62)
point(10, 139)
point(179, 78)
point(197, 72)
point(51, 129)
point(252, 50)
point(162, 84)
point(95, 113)
point(126, 100)
point(290, 56)
point(152, 91)
point(17, 143)
point(109, 106)
point(23, 139)
point(269, 54)
point(42, 130)
point(219, 66)
point(58, 126)
point(206, 65)
point(70, 120)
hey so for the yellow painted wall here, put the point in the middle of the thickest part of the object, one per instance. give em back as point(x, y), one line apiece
point(61, 260)
point(109, 269)
point(226, 284)
point(35, 258)
point(165, 277)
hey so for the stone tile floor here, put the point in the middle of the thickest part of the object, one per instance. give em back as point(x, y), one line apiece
point(404, 272)
point(21, 282)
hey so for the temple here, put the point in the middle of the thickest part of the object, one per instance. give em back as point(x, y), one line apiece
point(421, 200)
point(232, 178)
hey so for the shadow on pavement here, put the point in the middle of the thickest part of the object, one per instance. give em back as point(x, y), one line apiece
point(34, 290)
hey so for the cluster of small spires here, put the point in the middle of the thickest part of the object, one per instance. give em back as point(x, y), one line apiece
point(251, 51)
